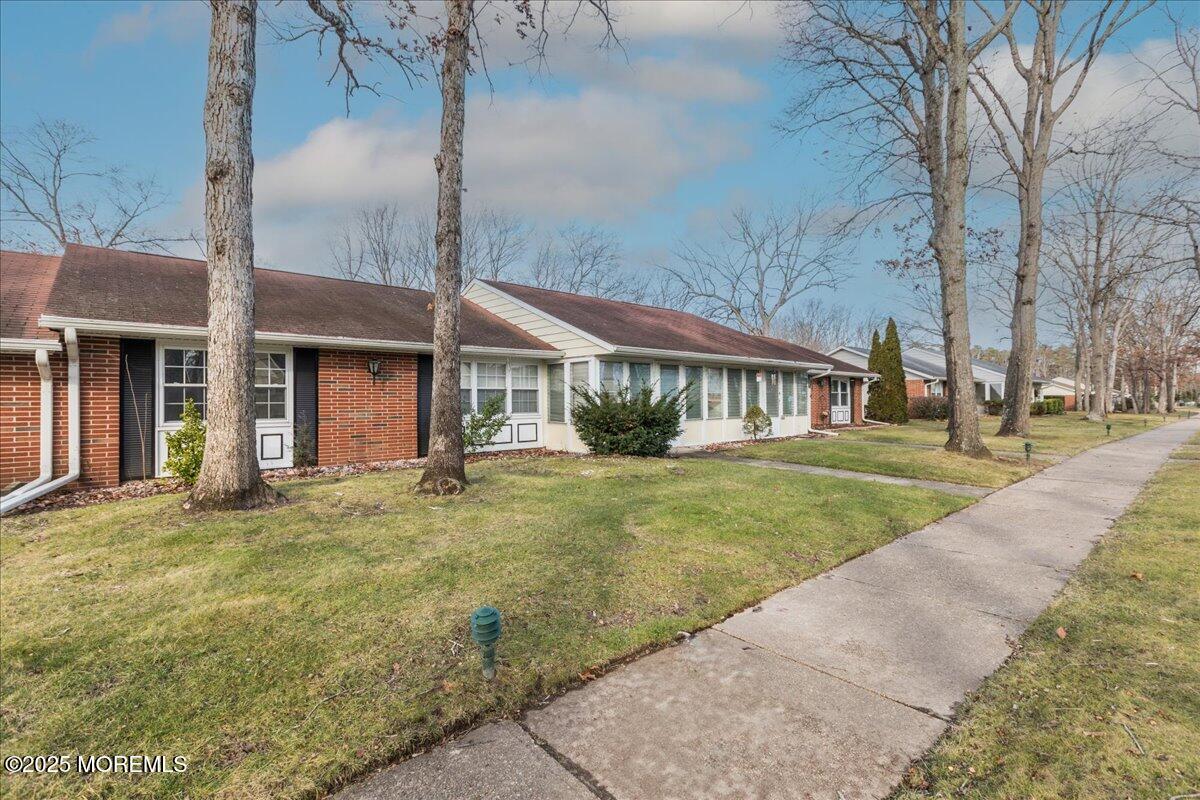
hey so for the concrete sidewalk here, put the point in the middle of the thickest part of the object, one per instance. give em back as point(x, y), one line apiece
point(828, 689)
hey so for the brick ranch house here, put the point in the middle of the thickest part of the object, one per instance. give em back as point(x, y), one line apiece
point(925, 374)
point(100, 348)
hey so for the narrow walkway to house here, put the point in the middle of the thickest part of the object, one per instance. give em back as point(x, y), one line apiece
point(941, 486)
point(828, 689)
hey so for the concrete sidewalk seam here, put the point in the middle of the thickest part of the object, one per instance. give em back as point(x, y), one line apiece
point(929, 712)
point(585, 778)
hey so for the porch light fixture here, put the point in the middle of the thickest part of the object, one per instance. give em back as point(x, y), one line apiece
point(373, 368)
point(485, 631)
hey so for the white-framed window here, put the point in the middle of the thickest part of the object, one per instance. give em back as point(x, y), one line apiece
point(734, 393)
point(639, 378)
point(771, 389)
point(270, 386)
point(490, 381)
point(752, 389)
point(612, 375)
point(801, 395)
point(464, 387)
point(185, 377)
point(839, 394)
point(694, 408)
point(789, 388)
point(935, 389)
point(556, 385)
point(715, 392)
point(524, 388)
point(668, 379)
point(579, 378)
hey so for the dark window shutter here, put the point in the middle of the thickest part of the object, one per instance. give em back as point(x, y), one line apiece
point(304, 392)
point(424, 402)
point(137, 409)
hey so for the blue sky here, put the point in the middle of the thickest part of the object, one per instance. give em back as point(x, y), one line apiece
point(656, 144)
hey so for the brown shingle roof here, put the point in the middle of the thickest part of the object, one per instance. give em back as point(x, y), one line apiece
point(633, 325)
point(25, 281)
point(124, 286)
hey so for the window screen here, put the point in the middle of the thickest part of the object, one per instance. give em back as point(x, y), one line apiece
point(695, 392)
point(734, 393)
point(557, 392)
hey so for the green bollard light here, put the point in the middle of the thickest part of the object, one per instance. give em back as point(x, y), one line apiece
point(1028, 451)
point(485, 631)
point(1108, 429)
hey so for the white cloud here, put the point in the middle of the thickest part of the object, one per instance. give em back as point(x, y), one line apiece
point(597, 156)
point(681, 78)
point(177, 20)
point(726, 20)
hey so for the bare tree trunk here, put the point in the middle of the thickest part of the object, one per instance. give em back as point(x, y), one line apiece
point(949, 241)
point(229, 477)
point(1113, 345)
point(1099, 367)
point(445, 471)
point(1080, 394)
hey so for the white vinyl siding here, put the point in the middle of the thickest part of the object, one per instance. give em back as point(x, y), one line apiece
point(572, 344)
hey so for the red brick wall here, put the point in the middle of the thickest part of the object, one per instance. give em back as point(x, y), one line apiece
point(1069, 402)
point(360, 421)
point(818, 402)
point(20, 414)
point(914, 388)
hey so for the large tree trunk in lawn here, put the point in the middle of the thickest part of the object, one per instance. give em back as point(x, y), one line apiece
point(1099, 367)
point(949, 240)
point(445, 471)
point(1018, 377)
point(229, 477)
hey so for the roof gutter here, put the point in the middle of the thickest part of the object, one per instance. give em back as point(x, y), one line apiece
point(682, 355)
point(29, 345)
point(37, 488)
point(111, 328)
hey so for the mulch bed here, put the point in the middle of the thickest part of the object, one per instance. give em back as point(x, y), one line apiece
point(81, 498)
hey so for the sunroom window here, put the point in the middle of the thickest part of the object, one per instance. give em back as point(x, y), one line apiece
point(772, 392)
point(270, 386)
point(735, 393)
point(556, 381)
point(801, 395)
point(489, 382)
point(716, 392)
point(185, 376)
point(668, 379)
point(695, 392)
point(751, 388)
point(639, 377)
point(464, 387)
point(789, 386)
point(524, 389)
point(612, 375)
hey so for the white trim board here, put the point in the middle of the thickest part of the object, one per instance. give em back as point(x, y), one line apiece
point(152, 330)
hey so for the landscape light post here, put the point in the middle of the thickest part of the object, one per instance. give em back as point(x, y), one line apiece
point(485, 631)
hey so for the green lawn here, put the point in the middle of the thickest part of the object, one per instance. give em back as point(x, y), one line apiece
point(1191, 450)
point(1065, 434)
point(285, 652)
point(1066, 718)
point(890, 459)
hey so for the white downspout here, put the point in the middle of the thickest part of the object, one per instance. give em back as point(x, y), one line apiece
point(46, 432)
point(39, 487)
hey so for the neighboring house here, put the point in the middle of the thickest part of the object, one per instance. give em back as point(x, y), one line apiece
point(925, 372)
point(100, 348)
point(611, 342)
point(1060, 387)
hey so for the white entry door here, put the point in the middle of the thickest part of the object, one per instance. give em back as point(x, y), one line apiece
point(839, 402)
